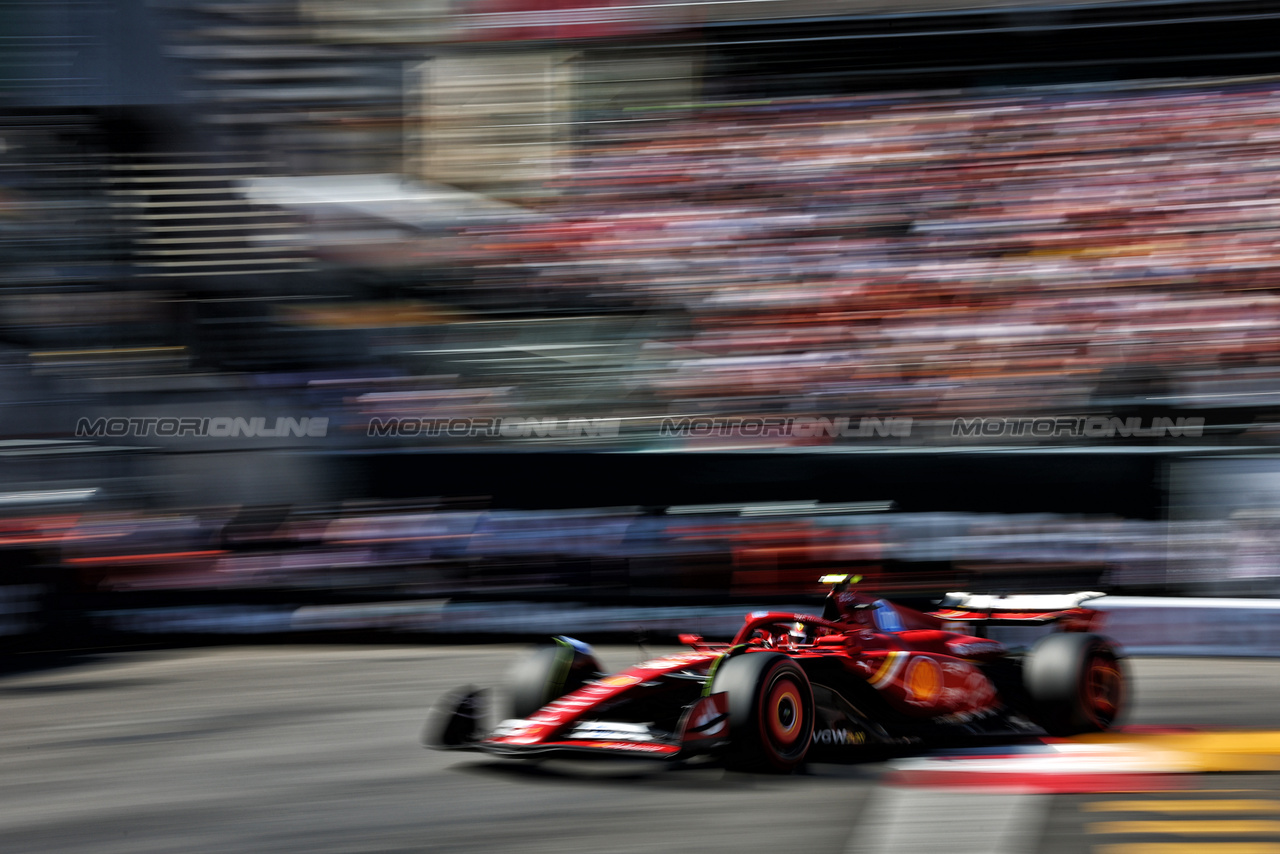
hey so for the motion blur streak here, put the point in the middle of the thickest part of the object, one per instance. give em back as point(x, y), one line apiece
point(288, 263)
point(963, 296)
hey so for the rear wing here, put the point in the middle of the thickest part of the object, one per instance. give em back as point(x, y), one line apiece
point(1026, 609)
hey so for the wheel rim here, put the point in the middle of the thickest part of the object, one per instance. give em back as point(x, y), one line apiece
point(784, 715)
point(1103, 689)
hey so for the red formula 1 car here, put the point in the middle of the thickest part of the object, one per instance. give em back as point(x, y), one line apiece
point(791, 687)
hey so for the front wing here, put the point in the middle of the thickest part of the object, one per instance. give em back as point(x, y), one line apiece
point(454, 725)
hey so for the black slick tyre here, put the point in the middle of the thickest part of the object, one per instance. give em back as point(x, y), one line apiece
point(1076, 683)
point(546, 675)
point(771, 711)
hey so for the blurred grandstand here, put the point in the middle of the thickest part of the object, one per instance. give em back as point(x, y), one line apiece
point(893, 225)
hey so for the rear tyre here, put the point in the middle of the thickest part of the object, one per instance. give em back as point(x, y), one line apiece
point(547, 675)
point(771, 711)
point(1076, 683)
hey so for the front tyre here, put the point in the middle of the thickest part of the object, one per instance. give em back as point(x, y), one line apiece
point(547, 675)
point(1076, 683)
point(771, 711)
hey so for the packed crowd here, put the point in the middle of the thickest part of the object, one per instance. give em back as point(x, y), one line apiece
point(1063, 251)
point(1040, 251)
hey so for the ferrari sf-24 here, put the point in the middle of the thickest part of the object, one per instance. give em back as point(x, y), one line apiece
point(794, 687)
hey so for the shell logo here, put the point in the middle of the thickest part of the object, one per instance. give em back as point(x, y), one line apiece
point(924, 680)
point(621, 681)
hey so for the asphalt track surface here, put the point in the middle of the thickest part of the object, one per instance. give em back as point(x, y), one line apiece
point(316, 749)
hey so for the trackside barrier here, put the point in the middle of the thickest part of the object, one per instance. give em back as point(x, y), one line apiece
point(1142, 625)
point(467, 619)
point(1166, 626)
point(460, 619)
